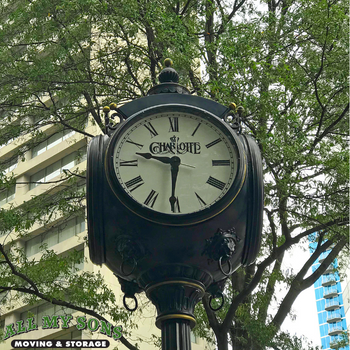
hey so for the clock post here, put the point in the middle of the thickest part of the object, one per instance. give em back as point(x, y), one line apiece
point(174, 200)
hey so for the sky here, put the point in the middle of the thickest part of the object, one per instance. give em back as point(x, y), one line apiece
point(306, 320)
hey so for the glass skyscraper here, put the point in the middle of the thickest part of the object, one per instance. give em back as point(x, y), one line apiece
point(330, 305)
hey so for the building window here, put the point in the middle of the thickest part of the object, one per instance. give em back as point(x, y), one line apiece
point(7, 142)
point(12, 165)
point(193, 338)
point(335, 327)
point(55, 235)
point(40, 119)
point(79, 266)
point(46, 309)
point(75, 335)
point(52, 142)
point(58, 167)
point(3, 297)
point(7, 195)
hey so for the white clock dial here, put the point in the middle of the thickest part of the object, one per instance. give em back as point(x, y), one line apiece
point(175, 163)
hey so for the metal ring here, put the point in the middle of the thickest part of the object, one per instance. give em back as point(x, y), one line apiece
point(132, 270)
point(126, 306)
point(220, 306)
point(229, 265)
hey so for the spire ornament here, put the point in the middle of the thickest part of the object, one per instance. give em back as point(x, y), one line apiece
point(168, 79)
point(168, 74)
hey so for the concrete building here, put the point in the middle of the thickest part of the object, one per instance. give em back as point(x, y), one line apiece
point(47, 163)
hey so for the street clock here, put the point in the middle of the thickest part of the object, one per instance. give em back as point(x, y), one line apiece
point(174, 201)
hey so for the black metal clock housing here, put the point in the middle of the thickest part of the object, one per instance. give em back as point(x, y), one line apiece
point(175, 201)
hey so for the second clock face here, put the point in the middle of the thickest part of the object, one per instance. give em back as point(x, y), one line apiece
point(175, 163)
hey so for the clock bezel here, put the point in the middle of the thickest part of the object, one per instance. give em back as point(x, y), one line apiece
point(178, 219)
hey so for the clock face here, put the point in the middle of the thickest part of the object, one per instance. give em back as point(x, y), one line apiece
point(175, 167)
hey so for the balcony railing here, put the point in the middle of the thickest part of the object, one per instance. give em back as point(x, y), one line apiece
point(330, 293)
point(334, 317)
point(332, 305)
point(334, 345)
point(328, 280)
point(333, 330)
point(329, 269)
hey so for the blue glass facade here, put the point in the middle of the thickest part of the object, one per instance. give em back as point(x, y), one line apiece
point(329, 303)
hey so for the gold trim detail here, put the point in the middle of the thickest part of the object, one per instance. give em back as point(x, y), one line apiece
point(175, 282)
point(169, 317)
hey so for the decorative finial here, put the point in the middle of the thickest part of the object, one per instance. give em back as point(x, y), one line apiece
point(168, 62)
point(106, 109)
point(232, 106)
point(169, 81)
point(113, 106)
point(168, 74)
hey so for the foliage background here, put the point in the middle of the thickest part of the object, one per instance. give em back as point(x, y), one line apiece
point(284, 61)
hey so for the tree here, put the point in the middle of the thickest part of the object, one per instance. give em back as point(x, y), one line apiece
point(283, 61)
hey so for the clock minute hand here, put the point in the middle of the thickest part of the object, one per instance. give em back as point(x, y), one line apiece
point(166, 160)
point(175, 162)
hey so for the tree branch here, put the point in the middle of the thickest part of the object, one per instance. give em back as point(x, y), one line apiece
point(329, 128)
point(17, 273)
point(264, 264)
point(213, 321)
point(237, 5)
point(93, 111)
point(299, 284)
point(270, 289)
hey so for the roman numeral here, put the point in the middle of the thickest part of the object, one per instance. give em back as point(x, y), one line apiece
point(211, 144)
point(134, 183)
point(221, 162)
point(216, 183)
point(134, 143)
point(128, 163)
point(151, 129)
point(151, 199)
point(174, 124)
point(200, 200)
point(195, 130)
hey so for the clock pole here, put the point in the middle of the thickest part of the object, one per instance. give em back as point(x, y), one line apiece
point(175, 302)
point(176, 335)
point(174, 257)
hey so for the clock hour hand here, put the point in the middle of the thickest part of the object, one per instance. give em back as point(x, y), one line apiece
point(175, 162)
point(166, 160)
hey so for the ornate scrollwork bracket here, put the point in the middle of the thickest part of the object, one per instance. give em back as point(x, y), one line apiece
point(233, 117)
point(110, 124)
